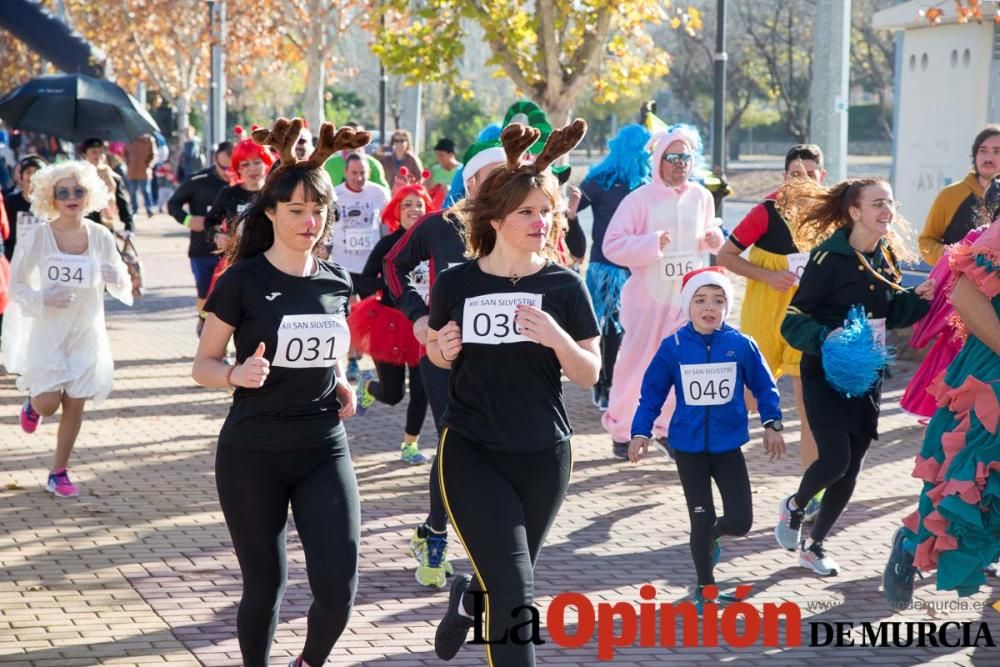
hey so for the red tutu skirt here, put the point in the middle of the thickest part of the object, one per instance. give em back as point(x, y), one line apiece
point(383, 333)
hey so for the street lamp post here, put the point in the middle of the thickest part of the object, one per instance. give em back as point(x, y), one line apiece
point(217, 89)
point(719, 111)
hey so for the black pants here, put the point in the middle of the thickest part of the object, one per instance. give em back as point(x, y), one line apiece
point(841, 455)
point(255, 488)
point(611, 341)
point(391, 388)
point(436, 388)
point(502, 505)
point(729, 470)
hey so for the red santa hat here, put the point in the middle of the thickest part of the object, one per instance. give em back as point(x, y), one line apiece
point(710, 275)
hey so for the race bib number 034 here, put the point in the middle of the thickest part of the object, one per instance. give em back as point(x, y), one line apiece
point(311, 341)
point(489, 319)
point(708, 384)
point(67, 271)
point(673, 265)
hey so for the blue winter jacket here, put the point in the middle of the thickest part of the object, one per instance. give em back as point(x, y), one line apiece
point(707, 428)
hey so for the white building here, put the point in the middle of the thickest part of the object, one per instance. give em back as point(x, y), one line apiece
point(947, 90)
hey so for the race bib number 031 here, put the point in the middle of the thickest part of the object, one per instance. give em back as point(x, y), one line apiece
point(708, 384)
point(67, 271)
point(489, 319)
point(311, 341)
point(360, 240)
point(797, 263)
point(673, 265)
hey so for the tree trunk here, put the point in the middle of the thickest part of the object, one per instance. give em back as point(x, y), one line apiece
point(183, 106)
point(312, 107)
point(557, 109)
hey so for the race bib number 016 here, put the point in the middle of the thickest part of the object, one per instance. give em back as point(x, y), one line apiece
point(708, 384)
point(489, 319)
point(797, 263)
point(65, 270)
point(360, 240)
point(311, 341)
point(673, 265)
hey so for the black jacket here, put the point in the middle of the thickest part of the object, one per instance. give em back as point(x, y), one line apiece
point(198, 193)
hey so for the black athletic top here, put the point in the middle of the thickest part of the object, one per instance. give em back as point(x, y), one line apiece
point(228, 204)
point(505, 392)
point(436, 239)
point(198, 193)
point(302, 323)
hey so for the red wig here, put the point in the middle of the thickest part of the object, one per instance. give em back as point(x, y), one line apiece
point(391, 217)
point(246, 149)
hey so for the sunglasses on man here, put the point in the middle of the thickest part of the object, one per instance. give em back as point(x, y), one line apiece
point(677, 158)
point(67, 194)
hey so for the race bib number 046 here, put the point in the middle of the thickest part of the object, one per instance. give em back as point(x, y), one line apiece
point(708, 384)
point(67, 271)
point(673, 265)
point(489, 319)
point(311, 341)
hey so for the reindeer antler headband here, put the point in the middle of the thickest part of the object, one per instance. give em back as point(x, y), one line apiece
point(284, 133)
point(517, 139)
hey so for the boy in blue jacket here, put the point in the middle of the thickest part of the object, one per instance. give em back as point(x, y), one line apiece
point(707, 363)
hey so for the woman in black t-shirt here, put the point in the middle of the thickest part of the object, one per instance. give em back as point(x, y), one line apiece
point(283, 440)
point(508, 324)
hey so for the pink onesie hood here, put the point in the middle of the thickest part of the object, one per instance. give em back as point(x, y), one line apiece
point(660, 143)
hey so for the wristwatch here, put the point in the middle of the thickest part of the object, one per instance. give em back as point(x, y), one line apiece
point(774, 425)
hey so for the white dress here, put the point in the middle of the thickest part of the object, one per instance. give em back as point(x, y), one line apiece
point(50, 348)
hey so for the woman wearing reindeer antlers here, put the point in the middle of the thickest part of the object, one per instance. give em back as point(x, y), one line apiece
point(283, 441)
point(507, 324)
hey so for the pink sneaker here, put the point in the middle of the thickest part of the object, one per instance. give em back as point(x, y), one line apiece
point(29, 418)
point(60, 485)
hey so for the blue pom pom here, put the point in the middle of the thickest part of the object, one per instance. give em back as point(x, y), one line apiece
point(852, 361)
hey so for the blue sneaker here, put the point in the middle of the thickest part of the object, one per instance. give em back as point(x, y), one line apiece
point(897, 579)
point(365, 397)
point(409, 452)
point(431, 571)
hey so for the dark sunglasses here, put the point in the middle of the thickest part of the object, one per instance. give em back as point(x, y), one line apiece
point(677, 158)
point(65, 194)
point(399, 140)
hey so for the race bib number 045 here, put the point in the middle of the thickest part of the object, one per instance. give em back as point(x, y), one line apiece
point(673, 265)
point(311, 341)
point(360, 240)
point(489, 319)
point(708, 384)
point(67, 271)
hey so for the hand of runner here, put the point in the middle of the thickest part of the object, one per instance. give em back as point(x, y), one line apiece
point(221, 240)
point(58, 297)
point(420, 329)
point(638, 449)
point(252, 373)
point(574, 201)
point(782, 280)
point(925, 290)
point(449, 341)
point(539, 326)
point(664, 240)
point(713, 239)
point(196, 223)
point(348, 399)
point(774, 444)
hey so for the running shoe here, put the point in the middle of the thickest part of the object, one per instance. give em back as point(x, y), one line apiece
point(716, 551)
point(365, 398)
point(59, 485)
point(663, 442)
point(296, 662)
point(453, 629)
point(431, 570)
point(992, 570)
point(789, 525)
point(812, 507)
point(418, 547)
point(409, 452)
point(815, 559)
point(352, 370)
point(619, 450)
point(29, 418)
point(599, 398)
point(897, 579)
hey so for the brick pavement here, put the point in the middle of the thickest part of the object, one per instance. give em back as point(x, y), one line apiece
point(139, 570)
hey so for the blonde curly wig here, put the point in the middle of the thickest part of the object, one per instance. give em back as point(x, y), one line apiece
point(43, 188)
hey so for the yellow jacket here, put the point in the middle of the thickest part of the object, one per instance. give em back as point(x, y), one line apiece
point(953, 214)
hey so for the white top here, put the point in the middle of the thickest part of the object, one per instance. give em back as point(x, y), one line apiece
point(360, 225)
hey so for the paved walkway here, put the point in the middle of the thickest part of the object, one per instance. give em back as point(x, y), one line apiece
point(139, 570)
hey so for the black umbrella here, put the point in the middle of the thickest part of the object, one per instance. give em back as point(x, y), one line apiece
point(76, 107)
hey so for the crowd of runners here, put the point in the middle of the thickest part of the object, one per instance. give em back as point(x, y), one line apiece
point(470, 289)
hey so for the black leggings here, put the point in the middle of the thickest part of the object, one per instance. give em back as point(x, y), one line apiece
point(611, 341)
point(729, 470)
point(841, 455)
point(436, 390)
point(391, 388)
point(502, 504)
point(255, 487)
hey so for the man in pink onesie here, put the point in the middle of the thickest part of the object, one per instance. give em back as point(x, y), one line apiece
point(660, 231)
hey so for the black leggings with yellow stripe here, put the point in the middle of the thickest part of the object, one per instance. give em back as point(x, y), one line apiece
point(502, 505)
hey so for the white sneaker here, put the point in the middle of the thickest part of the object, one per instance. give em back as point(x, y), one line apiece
point(815, 559)
point(789, 525)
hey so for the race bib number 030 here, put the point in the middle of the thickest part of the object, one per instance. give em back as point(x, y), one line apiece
point(673, 265)
point(311, 341)
point(67, 271)
point(489, 319)
point(360, 240)
point(708, 384)
point(797, 263)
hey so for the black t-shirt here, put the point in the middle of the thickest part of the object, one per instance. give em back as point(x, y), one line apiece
point(508, 396)
point(229, 204)
point(301, 321)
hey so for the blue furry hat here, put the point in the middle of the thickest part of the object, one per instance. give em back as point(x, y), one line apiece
point(852, 360)
point(627, 160)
